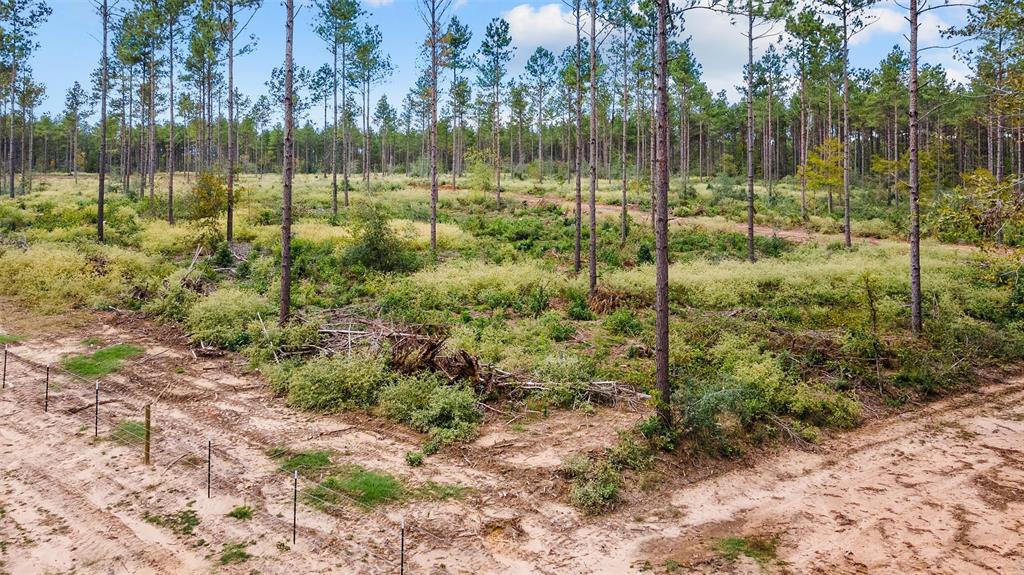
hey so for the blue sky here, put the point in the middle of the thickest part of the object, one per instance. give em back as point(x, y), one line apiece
point(70, 45)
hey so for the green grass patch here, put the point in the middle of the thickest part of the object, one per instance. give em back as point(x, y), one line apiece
point(302, 461)
point(8, 338)
point(128, 432)
point(234, 553)
point(241, 513)
point(366, 488)
point(440, 491)
point(183, 522)
point(102, 362)
point(762, 550)
point(92, 341)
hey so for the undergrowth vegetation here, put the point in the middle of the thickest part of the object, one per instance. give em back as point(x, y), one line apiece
point(784, 349)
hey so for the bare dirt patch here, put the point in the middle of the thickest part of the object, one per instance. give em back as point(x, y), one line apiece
point(937, 490)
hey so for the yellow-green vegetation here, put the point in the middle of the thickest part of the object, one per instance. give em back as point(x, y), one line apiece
point(241, 513)
point(183, 522)
point(101, 362)
point(8, 338)
point(760, 549)
point(353, 483)
point(128, 432)
point(234, 553)
point(782, 349)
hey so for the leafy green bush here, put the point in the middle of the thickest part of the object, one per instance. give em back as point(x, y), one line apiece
point(623, 322)
point(338, 383)
point(52, 278)
point(375, 245)
point(223, 318)
point(448, 413)
point(596, 490)
point(174, 299)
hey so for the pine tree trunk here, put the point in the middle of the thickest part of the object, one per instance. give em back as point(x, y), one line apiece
point(751, 256)
point(103, 131)
point(915, 213)
point(231, 121)
point(287, 170)
point(661, 224)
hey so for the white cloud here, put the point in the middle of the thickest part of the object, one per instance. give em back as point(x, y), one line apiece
point(379, 3)
point(720, 48)
point(879, 22)
point(545, 25)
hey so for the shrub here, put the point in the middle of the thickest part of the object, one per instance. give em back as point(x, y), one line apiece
point(448, 413)
point(52, 278)
point(623, 322)
point(414, 458)
point(338, 383)
point(597, 490)
point(579, 309)
point(270, 337)
point(375, 245)
point(223, 318)
point(628, 453)
point(174, 299)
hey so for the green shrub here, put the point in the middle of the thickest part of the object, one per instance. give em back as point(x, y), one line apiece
point(447, 412)
point(623, 322)
point(579, 309)
point(234, 553)
point(597, 490)
point(375, 245)
point(224, 317)
point(339, 383)
point(241, 513)
point(414, 458)
point(628, 453)
point(174, 299)
point(269, 339)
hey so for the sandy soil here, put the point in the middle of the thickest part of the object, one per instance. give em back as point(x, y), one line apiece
point(938, 490)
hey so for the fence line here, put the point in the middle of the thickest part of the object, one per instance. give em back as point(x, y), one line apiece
point(303, 484)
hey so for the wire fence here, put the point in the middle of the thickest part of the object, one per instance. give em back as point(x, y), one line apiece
point(120, 412)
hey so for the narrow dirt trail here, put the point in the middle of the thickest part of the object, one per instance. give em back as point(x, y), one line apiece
point(938, 490)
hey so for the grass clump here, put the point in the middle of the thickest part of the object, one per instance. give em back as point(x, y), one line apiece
point(183, 522)
point(338, 383)
point(414, 458)
point(301, 461)
point(366, 488)
point(241, 513)
point(234, 553)
point(7, 338)
point(129, 432)
point(101, 362)
point(762, 550)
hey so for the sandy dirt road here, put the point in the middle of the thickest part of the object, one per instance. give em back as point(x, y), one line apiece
point(936, 490)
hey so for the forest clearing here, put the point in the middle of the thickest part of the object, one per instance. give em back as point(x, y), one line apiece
point(714, 286)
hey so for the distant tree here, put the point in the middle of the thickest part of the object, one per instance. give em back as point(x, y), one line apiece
point(848, 13)
point(335, 23)
point(495, 54)
point(541, 69)
point(456, 56)
point(19, 20)
point(369, 66)
point(433, 13)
